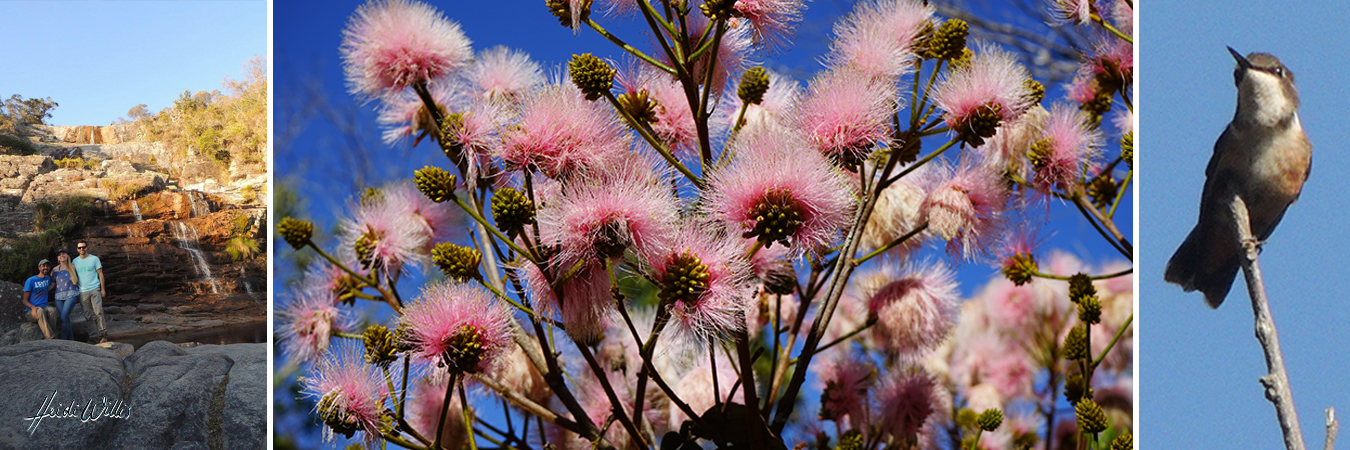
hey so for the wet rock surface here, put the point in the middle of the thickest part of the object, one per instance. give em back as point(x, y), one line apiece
point(66, 394)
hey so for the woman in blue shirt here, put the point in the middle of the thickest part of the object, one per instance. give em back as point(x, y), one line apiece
point(67, 292)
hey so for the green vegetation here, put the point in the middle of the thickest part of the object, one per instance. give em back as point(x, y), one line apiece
point(211, 126)
point(17, 114)
point(56, 223)
point(76, 163)
point(241, 246)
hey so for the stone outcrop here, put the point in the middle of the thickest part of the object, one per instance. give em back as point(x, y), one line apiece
point(87, 134)
point(63, 394)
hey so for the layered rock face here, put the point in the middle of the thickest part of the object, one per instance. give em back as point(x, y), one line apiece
point(62, 394)
point(162, 243)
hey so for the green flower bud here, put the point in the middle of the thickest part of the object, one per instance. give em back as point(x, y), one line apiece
point(851, 440)
point(990, 419)
point(458, 262)
point(1102, 190)
point(948, 42)
point(1020, 268)
point(1080, 287)
point(512, 211)
point(1035, 91)
point(1075, 344)
point(1075, 389)
point(1090, 310)
point(640, 105)
point(754, 84)
point(981, 124)
point(380, 346)
point(592, 75)
point(296, 232)
point(1123, 442)
point(1091, 419)
point(719, 9)
point(562, 9)
point(338, 418)
point(1127, 149)
point(464, 350)
point(967, 418)
point(365, 248)
point(435, 183)
point(448, 138)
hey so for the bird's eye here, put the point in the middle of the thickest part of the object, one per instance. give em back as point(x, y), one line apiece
point(1279, 72)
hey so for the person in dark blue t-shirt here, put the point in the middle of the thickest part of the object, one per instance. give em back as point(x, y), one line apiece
point(36, 306)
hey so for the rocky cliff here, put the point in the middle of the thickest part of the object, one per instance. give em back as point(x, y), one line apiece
point(62, 394)
point(163, 243)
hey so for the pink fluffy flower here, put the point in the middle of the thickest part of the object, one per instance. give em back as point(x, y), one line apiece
point(772, 20)
point(404, 114)
point(586, 298)
point(706, 282)
point(308, 320)
point(1083, 87)
point(501, 73)
point(563, 135)
point(350, 395)
point(605, 215)
point(906, 401)
point(966, 207)
point(990, 90)
point(385, 236)
point(674, 123)
point(989, 358)
point(777, 193)
point(915, 310)
point(424, 411)
point(1067, 145)
point(457, 326)
point(878, 38)
point(695, 387)
point(393, 44)
point(846, 381)
point(731, 54)
point(438, 220)
point(1075, 11)
point(845, 114)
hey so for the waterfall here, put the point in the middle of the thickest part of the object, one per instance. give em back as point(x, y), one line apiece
point(188, 240)
point(136, 209)
point(198, 209)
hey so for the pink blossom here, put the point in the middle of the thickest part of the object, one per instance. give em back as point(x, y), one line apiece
point(456, 325)
point(915, 310)
point(1123, 119)
point(1006, 152)
point(390, 45)
point(845, 384)
point(706, 282)
point(1067, 145)
point(424, 411)
point(1022, 239)
point(306, 322)
point(1002, 363)
point(404, 114)
point(348, 393)
point(1083, 87)
point(1115, 56)
point(695, 387)
point(808, 198)
point(992, 85)
point(772, 20)
point(1078, 12)
point(906, 400)
point(501, 74)
point(439, 220)
point(603, 216)
point(386, 236)
point(878, 38)
point(966, 207)
point(897, 212)
point(1010, 307)
point(563, 135)
point(845, 114)
point(732, 53)
point(586, 298)
point(674, 123)
point(325, 275)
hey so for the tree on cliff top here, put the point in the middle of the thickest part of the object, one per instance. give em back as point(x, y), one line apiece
point(16, 115)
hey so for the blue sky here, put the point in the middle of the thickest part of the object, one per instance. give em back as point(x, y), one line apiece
point(99, 59)
point(1199, 367)
point(310, 97)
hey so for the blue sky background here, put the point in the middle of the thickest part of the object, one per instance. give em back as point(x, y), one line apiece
point(1199, 368)
point(318, 123)
point(99, 59)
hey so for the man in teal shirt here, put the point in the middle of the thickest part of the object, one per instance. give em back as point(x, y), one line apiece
point(90, 272)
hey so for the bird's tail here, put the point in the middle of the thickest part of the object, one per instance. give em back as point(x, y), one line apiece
point(1187, 266)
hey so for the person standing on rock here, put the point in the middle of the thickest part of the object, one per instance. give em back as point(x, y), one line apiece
point(35, 291)
point(89, 270)
point(66, 292)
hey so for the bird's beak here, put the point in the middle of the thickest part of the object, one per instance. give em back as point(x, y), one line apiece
point(1241, 60)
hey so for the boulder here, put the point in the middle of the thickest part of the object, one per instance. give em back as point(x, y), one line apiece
point(162, 396)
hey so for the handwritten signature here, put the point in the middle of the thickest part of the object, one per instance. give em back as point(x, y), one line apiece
point(92, 410)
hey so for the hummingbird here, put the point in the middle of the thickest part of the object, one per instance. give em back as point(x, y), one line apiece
point(1263, 157)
